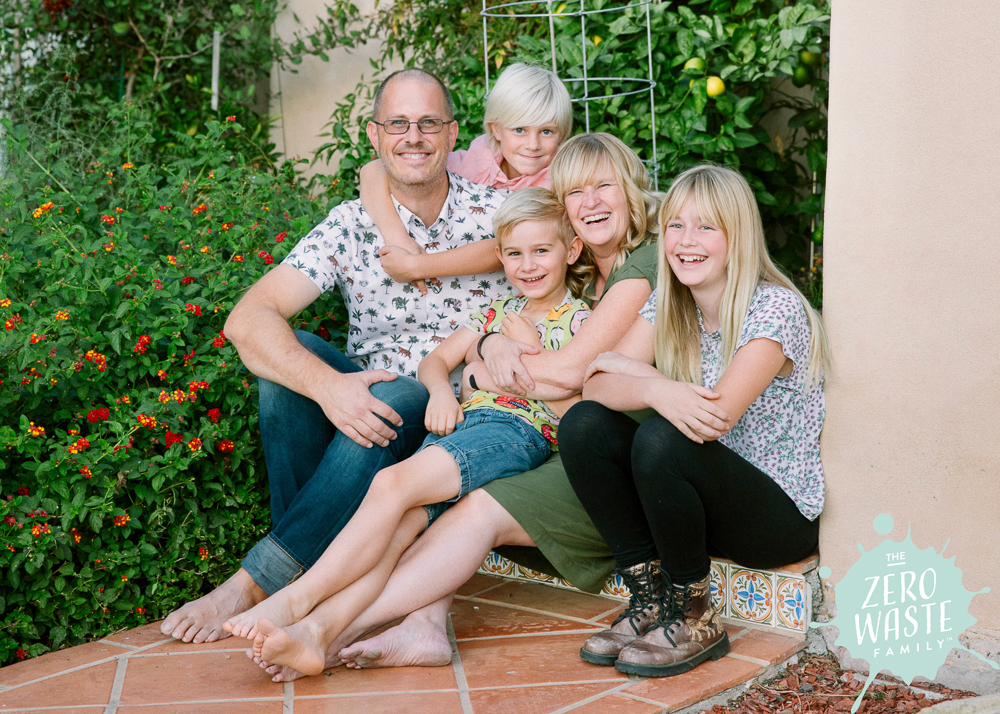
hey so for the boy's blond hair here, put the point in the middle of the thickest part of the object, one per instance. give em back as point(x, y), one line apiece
point(525, 95)
point(540, 204)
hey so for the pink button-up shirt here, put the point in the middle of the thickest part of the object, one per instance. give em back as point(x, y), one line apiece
point(479, 164)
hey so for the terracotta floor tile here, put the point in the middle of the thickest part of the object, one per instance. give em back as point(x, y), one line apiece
point(140, 636)
point(608, 619)
point(691, 687)
point(70, 710)
point(478, 619)
point(227, 644)
point(86, 687)
point(478, 583)
point(734, 631)
point(54, 662)
point(533, 700)
point(767, 646)
point(618, 704)
point(212, 708)
point(341, 680)
point(423, 703)
point(529, 660)
point(198, 676)
point(550, 599)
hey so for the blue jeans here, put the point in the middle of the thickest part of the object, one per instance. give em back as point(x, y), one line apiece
point(318, 476)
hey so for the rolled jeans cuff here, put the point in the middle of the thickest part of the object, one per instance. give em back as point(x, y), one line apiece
point(271, 566)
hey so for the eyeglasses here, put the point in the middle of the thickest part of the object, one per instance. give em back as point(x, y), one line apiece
point(424, 126)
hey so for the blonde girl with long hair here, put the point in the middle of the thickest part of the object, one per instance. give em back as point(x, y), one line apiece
point(730, 357)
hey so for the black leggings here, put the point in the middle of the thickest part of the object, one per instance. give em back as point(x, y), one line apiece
point(654, 493)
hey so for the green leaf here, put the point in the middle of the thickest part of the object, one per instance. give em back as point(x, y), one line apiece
point(120, 28)
point(742, 140)
point(743, 7)
point(237, 10)
point(96, 522)
point(685, 42)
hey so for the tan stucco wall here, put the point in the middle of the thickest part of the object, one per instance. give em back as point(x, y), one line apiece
point(305, 99)
point(912, 285)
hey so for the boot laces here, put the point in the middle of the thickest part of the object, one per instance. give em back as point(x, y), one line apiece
point(673, 601)
point(644, 594)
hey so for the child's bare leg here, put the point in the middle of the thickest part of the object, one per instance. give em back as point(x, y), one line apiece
point(427, 477)
point(447, 555)
point(303, 645)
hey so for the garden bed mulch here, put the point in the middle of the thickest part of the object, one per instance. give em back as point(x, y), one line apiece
point(819, 684)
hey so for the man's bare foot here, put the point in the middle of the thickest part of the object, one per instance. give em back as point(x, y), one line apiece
point(298, 646)
point(280, 609)
point(201, 620)
point(412, 643)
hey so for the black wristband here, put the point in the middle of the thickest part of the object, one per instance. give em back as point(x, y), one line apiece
point(472, 382)
point(479, 345)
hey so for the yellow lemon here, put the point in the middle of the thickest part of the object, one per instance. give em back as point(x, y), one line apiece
point(597, 40)
point(695, 63)
point(715, 86)
point(560, 8)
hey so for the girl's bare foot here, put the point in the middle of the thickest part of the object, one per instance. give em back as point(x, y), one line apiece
point(298, 646)
point(412, 643)
point(202, 620)
point(280, 609)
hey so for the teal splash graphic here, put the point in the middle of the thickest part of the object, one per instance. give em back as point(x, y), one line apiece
point(901, 608)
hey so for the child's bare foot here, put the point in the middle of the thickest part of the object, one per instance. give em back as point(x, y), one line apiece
point(202, 620)
point(298, 646)
point(284, 673)
point(280, 609)
point(412, 643)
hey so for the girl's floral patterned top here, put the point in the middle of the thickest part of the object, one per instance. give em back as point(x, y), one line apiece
point(779, 432)
point(391, 325)
point(554, 332)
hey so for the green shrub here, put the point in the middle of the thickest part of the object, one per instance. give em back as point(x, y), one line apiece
point(132, 473)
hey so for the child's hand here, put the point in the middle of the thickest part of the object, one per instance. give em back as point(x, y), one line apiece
point(400, 263)
point(443, 413)
point(520, 329)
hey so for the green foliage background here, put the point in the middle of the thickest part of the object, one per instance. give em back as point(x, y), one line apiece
point(109, 118)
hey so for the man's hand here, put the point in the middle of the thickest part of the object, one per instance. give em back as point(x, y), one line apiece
point(503, 361)
point(520, 329)
point(348, 403)
point(400, 263)
point(443, 413)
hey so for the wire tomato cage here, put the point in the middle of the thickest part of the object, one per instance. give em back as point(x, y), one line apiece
point(620, 85)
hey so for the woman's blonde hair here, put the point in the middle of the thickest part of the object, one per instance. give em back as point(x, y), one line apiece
point(586, 158)
point(525, 95)
point(540, 204)
point(725, 200)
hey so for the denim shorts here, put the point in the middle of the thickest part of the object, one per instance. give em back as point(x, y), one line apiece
point(488, 445)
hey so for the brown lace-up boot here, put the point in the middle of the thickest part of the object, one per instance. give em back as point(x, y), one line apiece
point(688, 631)
point(645, 585)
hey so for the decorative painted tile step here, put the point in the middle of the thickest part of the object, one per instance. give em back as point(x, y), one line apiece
point(515, 650)
point(780, 599)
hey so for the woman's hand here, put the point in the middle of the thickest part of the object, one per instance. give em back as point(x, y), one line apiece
point(400, 263)
point(617, 363)
point(503, 361)
point(691, 408)
point(520, 329)
point(443, 413)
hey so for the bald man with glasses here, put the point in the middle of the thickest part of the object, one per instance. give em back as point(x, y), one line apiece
point(329, 420)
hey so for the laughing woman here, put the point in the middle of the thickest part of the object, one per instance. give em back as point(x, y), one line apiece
point(725, 336)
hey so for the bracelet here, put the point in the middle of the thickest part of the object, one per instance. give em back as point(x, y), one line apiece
point(479, 346)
